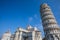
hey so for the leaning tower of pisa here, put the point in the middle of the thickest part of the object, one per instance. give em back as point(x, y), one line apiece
point(50, 26)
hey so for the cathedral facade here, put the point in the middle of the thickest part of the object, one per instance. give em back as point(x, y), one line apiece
point(50, 27)
point(21, 34)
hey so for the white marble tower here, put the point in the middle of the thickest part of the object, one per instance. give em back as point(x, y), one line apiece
point(50, 26)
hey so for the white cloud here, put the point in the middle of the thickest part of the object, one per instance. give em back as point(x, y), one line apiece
point(30, 19)
point(35, 16)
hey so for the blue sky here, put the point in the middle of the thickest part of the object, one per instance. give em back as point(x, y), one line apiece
point(20, 13)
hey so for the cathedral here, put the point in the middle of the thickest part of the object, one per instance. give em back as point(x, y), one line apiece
point(21, 34)
point(50, 27)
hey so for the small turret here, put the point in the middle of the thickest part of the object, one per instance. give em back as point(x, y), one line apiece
point(6, 35)
point(36, 29)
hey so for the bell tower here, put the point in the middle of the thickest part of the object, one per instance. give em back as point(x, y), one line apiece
point(50, 26)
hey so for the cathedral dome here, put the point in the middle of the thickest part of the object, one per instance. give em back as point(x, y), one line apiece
point(29, 27)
